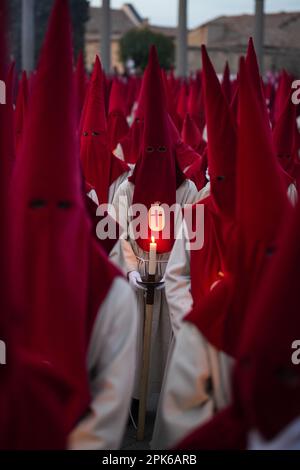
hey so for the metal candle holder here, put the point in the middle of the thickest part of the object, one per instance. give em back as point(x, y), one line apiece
point(150, 284)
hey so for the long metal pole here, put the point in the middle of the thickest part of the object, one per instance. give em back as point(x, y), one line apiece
point(259, 33)
point(182, 39)
point(105, 35)
point(28, 35)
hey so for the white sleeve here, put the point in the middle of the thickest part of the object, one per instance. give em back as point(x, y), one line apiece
point(115, 186)
point(118, 152)
point(93, 196)
point(186, 402)
point(178, 283)
point(111, 365)
point(122, 253)
point(292, 194)
point(191, 194)
point(204, 192)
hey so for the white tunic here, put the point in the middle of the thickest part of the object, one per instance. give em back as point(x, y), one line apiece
point(193, 362)
point(115, 186)
point(197, 384)
point(111, 365)
point(178, 276)
point(130, 257)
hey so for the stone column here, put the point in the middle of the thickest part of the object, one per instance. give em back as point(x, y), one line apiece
point(28, 35)
point(182, 50)
point(105, 35)
point(259, 33)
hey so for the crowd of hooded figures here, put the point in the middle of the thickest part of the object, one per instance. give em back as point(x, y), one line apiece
point(72, 304)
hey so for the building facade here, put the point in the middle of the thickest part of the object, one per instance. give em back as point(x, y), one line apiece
point(226, 38)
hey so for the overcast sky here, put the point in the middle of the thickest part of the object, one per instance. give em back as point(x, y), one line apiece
point(164, 12)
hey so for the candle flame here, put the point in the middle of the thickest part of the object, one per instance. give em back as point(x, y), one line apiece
point(152, 239)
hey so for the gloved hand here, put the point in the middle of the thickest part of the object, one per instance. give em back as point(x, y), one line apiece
point(133, 278)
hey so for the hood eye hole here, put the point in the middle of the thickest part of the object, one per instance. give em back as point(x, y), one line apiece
point(270, 251)
point(85, 134)
point(37, 203)
point(286, 156)
point(95, 133)
point(64, 205)
point(150, 149)
point(288, 376)
point(162, 149)
point(220, 178)
point(245, 361)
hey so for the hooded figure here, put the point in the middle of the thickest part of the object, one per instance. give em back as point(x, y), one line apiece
point(197, 172)
point(267, 377)
point(129, 148)
point(196, 103)
point(191, 135)
point(192, 273)
point(158, 180)
point(80, 83)
point(285, 135)
point(226, 84)
point(101, 168)
point(117, 126)
point(63, 284)
point(260, 210)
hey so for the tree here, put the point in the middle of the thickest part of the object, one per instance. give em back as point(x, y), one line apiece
point(79, 12)
point(135, 45)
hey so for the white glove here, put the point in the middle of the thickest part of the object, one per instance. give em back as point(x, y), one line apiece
point(134, 277)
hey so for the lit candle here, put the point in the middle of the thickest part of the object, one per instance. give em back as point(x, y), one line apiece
point(152, 257)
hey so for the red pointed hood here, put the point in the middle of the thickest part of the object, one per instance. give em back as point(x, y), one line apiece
point(196, 106)
point(261, 204)
point(267, 382)
point(182, 103)
point(101, 168)
point(117, 98)
point(156, 175)
point(197, 171)
point(171, 103)
point(57, 292)
point(285, 135)
point(9, 153)
point(21, 108)
point(117, 124)
point(95, 116)
point(131, 143)
point(221, 141)
point(191, 134)
point(253, 68)
point(80, 83)
point(283, 90)
point(6, 160)
point(226, 83)
point(261, 194)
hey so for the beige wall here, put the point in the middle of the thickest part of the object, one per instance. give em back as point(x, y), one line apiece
point(198, 36)
point(92, 48)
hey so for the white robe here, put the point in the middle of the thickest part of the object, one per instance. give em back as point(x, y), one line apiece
point(111, 365)
point(197, 384)
point(115, 186)
point(178, 276)
point(118, 152)
point(184, 403)
point(130, 257)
